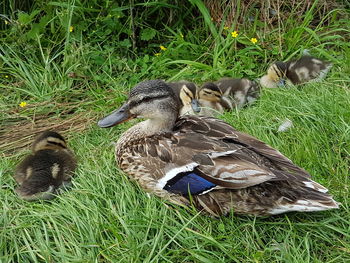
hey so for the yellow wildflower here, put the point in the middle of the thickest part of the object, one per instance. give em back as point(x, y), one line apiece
point(162, 48)
point(226, 27)
point(6, 76)
point(234, 34)
point(71, 28)
point(253, 40)
point(6, 22)
point(23, 104)
point(157, 54)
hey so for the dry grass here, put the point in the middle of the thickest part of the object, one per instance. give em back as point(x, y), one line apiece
point(18, 131)
point(271, 12)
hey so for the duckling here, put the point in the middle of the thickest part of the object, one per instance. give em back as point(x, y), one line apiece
point(305, 69)
point(238, 92)
point(205, 162)
point(49, 167)
point(186, 94)
point(211, 100)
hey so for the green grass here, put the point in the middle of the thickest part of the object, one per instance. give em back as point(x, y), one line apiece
point(107, 218)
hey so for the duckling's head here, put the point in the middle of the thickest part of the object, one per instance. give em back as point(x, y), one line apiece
point(49, 140)
point(188, 96)
point(186, 93)
point(277, 71)
point(152, 99)
point(276, 74)
point(210, 92)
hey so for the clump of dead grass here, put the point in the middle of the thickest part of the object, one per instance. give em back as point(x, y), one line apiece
point(20, 128)
point(271, 12)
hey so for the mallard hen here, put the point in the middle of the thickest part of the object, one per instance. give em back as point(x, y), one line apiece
point(50, 167)
point(206, 162)
point(305, 69)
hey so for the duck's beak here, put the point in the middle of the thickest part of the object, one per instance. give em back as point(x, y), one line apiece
point(195, 105)
point(116, 117)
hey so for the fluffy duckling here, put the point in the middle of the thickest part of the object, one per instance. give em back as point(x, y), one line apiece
point(49, 167)
point(211, 100)
point(238, 92)
point(205, 162)
point(186, 95)
point(299, 71)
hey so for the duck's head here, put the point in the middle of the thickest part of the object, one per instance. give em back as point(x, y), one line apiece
point(153, 100)
point(276, 75)
point(49, 140)
point(210, 92)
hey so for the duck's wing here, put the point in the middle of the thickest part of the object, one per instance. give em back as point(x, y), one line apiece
point(192, 162)
point(203, 154)
point(222, 131)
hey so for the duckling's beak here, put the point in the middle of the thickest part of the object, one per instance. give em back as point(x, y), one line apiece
point(195, 105)
point(281, 83)
point(116, 117)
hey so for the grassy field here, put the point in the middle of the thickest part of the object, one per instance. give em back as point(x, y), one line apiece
point(69, 83)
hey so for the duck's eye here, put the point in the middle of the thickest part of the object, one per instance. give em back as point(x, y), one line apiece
point(143, 100)
point(146, 100)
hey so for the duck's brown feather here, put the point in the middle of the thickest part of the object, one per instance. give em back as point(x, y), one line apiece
point(245, 169)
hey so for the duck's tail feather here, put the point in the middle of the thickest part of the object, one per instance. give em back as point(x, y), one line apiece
point(315, 186)
point(306, 52)
point(303, 205)
point(314, 198)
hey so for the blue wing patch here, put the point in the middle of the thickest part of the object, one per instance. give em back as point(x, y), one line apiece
point(188, 183)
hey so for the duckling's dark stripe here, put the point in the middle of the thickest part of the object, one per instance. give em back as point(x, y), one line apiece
point(207, 92)
point(187, 94)
point(57, 143)
point(279, 73)
point(277, 70)
point(147, 99)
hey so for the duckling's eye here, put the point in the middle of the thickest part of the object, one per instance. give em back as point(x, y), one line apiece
point(211, 93)
point(57, 143)
point(188, 94)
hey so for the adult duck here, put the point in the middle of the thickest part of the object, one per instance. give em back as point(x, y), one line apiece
point(205, 162)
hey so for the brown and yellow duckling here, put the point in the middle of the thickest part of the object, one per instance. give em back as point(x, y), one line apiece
point(185, 92)
point(205, 162)
point(49, 167)
point(211, 100)
point(294, 72)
